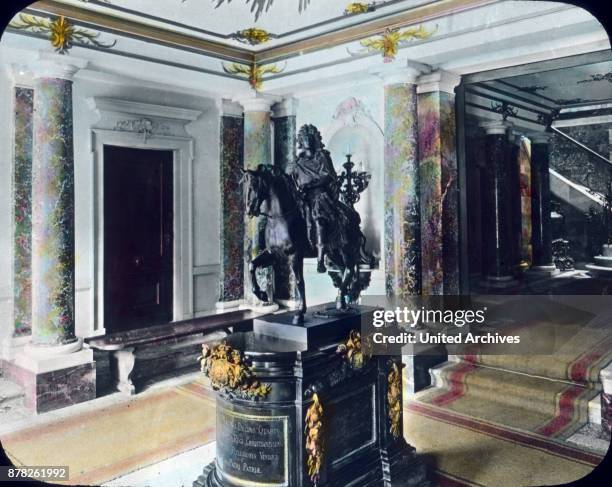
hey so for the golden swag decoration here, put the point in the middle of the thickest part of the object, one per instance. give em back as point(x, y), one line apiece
point(253, 73)
point(314, 438)
point(356, 352)
point(252, 36)
point(62, 33)
point(394, 399)
point(389, 41)
point(228, 372)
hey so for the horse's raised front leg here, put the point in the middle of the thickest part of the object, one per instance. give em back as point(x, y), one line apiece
point(297, 267)
point(264, 259)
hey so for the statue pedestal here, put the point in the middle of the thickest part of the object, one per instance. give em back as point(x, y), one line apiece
point(329, 418)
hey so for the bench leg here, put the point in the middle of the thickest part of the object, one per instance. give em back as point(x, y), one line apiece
point(125, 361)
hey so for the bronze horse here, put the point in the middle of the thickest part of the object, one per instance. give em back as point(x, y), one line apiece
point(273, 193)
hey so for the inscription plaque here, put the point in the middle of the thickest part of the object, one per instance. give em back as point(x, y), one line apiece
point(252, 450)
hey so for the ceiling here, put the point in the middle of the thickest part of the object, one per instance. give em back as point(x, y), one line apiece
point(590, 83)
point(219, 20)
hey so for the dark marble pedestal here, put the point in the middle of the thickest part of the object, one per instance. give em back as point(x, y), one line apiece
point(330, 417)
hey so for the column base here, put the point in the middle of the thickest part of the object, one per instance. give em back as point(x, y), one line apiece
point(54, 377)
point(222, 306)
point(498, 282)
point(542, 270)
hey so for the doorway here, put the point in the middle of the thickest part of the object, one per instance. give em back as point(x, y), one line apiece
point(138, 237)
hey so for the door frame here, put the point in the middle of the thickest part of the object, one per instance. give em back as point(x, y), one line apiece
point(182, 210)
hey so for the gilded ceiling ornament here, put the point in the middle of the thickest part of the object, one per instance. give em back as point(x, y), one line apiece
point(258, 6)
point(229, 373)
point(253, 72)
point(314, 438)
point(597, 77)
point(389, 41)
point(359, 8)
point(394, 399)
point(356, 352)
point(504, 109)
point(252, 36)
point(62, 33)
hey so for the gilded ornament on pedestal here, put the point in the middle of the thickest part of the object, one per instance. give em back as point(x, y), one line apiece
point(228, 372)
point(314, 438)
point(253, 36)
point(390, 40)
point(253, 72)
point(62, 33)
point(356, 352)
point(394, 399)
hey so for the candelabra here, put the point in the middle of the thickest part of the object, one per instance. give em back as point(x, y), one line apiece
point(352, 183)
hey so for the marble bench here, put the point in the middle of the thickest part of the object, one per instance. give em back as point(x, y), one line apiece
point(144, 353)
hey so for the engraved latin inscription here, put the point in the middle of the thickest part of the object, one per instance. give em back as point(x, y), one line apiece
point(252, 450)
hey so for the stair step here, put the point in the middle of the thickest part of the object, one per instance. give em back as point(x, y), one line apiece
point(532, 393)
point(11, 394)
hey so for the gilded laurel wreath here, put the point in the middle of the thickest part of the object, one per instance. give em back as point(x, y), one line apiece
point(314, 438)
point(228, 372)
point(394, 399)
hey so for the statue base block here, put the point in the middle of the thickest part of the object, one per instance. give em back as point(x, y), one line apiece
point(332, 416)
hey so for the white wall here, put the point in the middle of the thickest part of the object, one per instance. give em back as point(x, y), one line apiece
point(6, 208)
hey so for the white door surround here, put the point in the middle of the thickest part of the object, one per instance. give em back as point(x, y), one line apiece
point(145, 126)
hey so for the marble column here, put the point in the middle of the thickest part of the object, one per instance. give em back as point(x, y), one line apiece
point(438, 183)
point(22, 211)
point(54, 369)
point(525, 183)
point(540, 205)
point(53, 209)
point(402, 201)
point(497, 208)
point(284, 141)
point(257, 150)
point(231, 276)
point(514, 184)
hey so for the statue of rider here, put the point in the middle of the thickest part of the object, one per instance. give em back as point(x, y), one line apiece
point(316, 179)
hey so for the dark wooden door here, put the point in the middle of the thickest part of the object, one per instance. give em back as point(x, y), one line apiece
point(138, 237)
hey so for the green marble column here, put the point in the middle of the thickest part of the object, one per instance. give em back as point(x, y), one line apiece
point(53, 210)
point(257, 150)
point(22, 212)
point(231, 278)
point(438, 179)
point(402, 207)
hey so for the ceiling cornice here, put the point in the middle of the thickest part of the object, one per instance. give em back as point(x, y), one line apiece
point(352, 33)
point(140, 30)
point(219, 50)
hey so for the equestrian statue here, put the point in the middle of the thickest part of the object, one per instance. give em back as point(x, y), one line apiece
point(305, 218)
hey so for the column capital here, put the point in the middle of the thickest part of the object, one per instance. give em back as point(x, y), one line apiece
point(394, 74)
point(50, 65)
point(228, 108)
point(258, 102)
point(439, 80)
point(287, 107)
point(540, 137)
point(496, 127)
